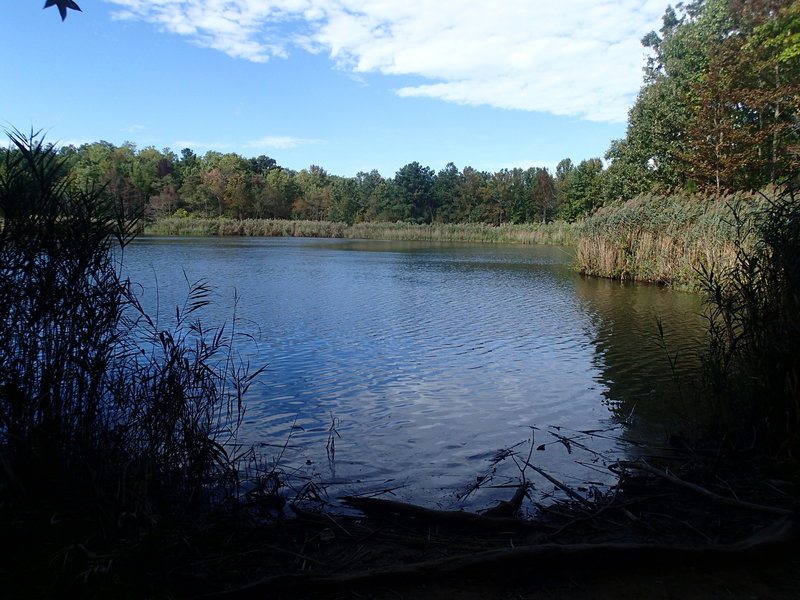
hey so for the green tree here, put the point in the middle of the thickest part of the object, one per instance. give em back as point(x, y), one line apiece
point(375, 196)
point(415, 185)
point(315, 194)
point(654, 146)
point(545, 195)
point(276, 194)
point(472, 197)
point(445, 186)
point(719, 105)
point(345, 205)
point(581, 190)
point(262, 164)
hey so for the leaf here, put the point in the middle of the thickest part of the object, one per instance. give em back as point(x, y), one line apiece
point(541, 447)
point(63, 5)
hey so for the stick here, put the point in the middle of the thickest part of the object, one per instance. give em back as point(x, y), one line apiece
point(572, 494)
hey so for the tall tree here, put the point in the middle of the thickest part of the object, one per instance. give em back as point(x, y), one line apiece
point(415, 184)
point(581, 189)
point(545, 195)
point(719, 107)
point(315, 194)
point(444, 190)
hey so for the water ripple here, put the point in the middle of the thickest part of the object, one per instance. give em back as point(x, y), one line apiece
point(430, 358)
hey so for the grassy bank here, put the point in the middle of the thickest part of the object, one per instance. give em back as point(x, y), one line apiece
point(663, 239)
point(558, 233)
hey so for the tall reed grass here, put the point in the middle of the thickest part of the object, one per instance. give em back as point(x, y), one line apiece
point(108, 420)
point(662, 239)
point(557, 233)
point(752, 364)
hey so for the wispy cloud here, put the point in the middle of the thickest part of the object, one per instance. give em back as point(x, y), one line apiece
point(275, 142)
point(579, 58)
point(280, 142)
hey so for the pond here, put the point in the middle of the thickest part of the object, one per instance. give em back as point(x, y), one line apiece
point(436, 369)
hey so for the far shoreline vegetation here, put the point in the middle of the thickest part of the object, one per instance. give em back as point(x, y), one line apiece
point(552, 233)
point(664, 239)
point(121, 472)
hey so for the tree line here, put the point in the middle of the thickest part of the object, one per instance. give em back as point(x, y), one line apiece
point(159, 183)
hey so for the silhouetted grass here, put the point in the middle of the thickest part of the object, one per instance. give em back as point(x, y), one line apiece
point(109, 423)
point(752, 365)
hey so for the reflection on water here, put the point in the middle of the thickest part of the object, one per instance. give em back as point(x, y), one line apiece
point(431, 357)
point(647, 374)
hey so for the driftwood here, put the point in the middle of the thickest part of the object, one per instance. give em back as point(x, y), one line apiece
point(451, 518)
point(538, 557)
point(643, 466)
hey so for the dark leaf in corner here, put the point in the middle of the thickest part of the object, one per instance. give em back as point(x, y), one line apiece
point(62, 5)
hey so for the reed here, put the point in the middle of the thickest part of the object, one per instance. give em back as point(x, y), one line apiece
point(662, 239)
point(752, 363)
point(109, 421)
point(557, 233)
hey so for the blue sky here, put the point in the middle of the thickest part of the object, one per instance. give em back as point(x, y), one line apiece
point(350, 85)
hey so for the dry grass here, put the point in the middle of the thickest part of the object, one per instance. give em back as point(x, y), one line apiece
point(662, 239)
point(557, 233)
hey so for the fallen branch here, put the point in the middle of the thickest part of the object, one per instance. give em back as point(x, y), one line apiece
point(643, 466)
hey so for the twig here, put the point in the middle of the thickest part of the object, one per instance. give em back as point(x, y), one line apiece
point(571, 493)
point(643, 466)
point(568, 442)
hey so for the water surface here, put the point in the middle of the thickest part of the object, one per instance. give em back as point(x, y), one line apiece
point(432, 359)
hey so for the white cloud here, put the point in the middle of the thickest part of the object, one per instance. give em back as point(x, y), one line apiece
point(579, 58)
point(276, 142)
point(279, 142)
